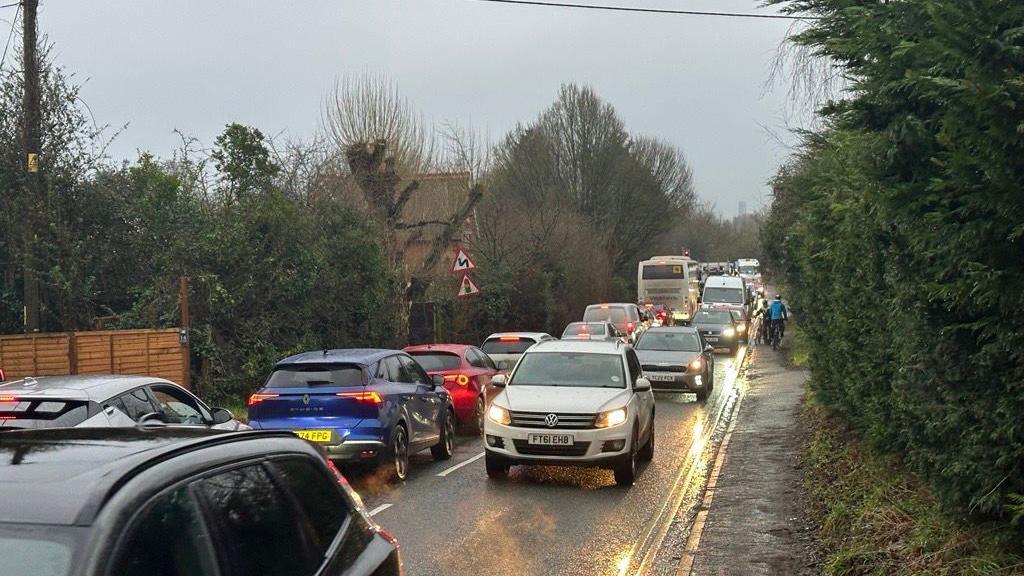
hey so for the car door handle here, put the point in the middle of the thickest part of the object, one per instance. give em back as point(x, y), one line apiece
point(407, 396)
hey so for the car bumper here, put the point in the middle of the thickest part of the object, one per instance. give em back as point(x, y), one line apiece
point(359, 443)
point(593, 447)
point(680, 382)
point(464, 403)
point(720, 342)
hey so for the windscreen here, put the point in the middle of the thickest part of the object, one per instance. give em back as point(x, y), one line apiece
point(663, 272)
point(669, 342)
point(41, 413)
point(750, 270)
point(579, 369)
point(506, 345)
point(713, 317)
point(30, 551)
point(584, 329)
point(723, 295)
point(312, 375)
point(437, 361)
point(613, 314)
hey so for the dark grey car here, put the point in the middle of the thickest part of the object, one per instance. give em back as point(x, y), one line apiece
point(718, 327)
point(676, 359)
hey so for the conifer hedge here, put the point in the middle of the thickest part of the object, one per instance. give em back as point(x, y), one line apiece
point(898, 232)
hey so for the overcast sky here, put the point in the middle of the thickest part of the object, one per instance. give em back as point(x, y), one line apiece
point(195, 65)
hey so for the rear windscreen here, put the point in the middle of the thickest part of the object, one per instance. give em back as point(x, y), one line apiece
point(584, 328)
point(42, 413)
point(613, 315)
point(311, 375)
point(664, 272)
point(437, 361)
point(507, 345)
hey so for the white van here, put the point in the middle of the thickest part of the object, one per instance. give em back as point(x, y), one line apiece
point(724, 290)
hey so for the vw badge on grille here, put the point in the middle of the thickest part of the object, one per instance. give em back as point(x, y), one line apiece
point(305, 399)
point(551, 420)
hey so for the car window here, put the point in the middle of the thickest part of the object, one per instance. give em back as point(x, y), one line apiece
point(474, 359)
point(488, 363)
point(507, 345)
point(583, 369)
point(318, 496)
point(395, 371)
point(260, 530)
point(137, 403)
point(382, 371)
point(437, 360)
point(178, 407)
point(166, 539)
point(313, 375)
point(414, 370)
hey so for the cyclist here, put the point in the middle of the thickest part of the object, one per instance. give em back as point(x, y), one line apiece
point(777, 313)
point(761, 310)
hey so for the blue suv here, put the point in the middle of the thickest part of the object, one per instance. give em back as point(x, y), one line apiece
point(359, 405)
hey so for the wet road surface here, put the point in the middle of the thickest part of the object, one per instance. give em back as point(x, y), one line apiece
point(451, 519)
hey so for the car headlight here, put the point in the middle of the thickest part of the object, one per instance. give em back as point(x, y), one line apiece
point(728, 332)
point(500, 415)
point(610, 418)
point(741, 328)
point(697, 363)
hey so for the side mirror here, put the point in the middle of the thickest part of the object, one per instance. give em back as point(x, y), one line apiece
point(437, 380)
point(222, 416)
point(642, 384)
point(499, 380)
point(709, 349)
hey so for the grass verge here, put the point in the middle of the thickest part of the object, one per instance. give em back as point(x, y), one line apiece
point(877, 519)
point(801, 355)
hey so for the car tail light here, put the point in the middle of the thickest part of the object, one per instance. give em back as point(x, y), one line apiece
point(630, 326)
point(460, 379)
point(8, 398)
point(2, 376)
point(364, 396)
point(257, 398)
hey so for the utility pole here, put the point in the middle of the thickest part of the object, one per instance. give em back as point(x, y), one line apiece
point(33, 176)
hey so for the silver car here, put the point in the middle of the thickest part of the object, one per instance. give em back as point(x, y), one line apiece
point(105, 401)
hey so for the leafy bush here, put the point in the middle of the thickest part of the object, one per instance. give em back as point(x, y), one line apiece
point(899, 232)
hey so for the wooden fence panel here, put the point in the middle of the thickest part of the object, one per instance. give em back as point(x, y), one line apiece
point(142, 352)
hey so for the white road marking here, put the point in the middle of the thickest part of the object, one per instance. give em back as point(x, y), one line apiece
point(461, 464)
point(379, 509)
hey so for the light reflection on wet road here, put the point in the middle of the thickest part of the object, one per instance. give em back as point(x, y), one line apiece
point(548, 520)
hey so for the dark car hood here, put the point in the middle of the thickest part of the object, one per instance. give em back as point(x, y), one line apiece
point(719, 327)
point(657, 357)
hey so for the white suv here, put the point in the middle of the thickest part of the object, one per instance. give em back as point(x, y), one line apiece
point(572, 403)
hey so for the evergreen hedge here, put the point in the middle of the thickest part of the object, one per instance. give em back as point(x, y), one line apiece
point(898, 230)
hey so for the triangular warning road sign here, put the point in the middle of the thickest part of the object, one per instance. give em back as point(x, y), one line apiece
point(462, 263)
point(468, 288)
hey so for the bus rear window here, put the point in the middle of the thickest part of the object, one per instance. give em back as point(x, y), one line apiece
point(664, 272)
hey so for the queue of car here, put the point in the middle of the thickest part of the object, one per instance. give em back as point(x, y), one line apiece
point(125, 464)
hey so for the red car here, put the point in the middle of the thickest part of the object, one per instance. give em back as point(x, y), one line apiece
point(467, 373)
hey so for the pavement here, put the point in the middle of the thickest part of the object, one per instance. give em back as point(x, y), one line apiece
point(752, 519)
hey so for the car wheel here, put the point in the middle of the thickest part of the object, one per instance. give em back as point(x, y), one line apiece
point(496, 467)
point(625, 472)
point(444, 449)
point(397, 463)
point(647, 452)
point(480, 414)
